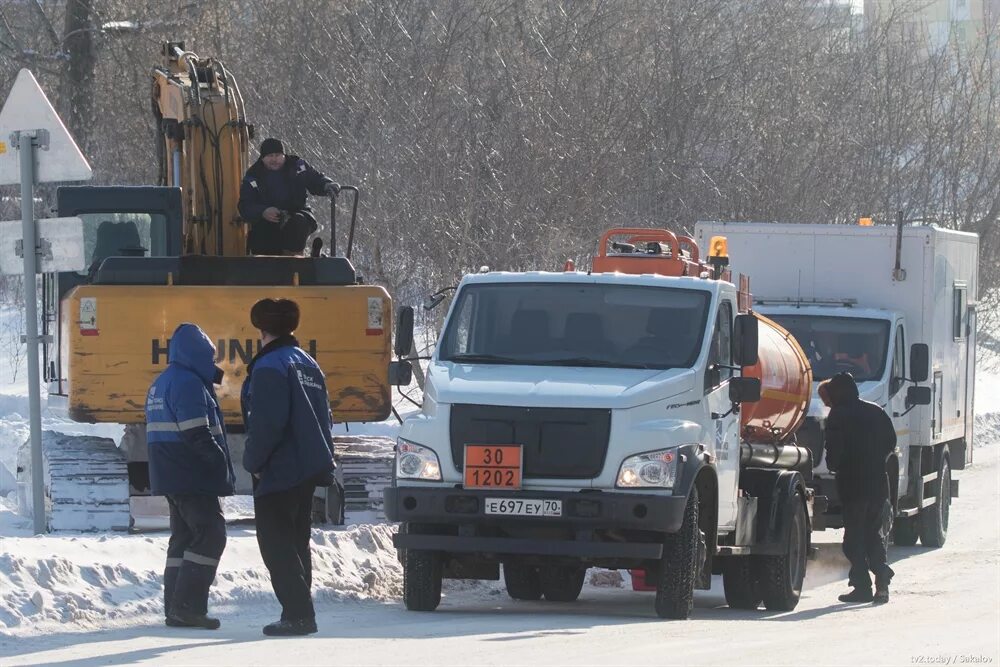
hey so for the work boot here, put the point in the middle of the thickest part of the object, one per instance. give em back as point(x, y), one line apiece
point(180, 618)
point(857, 595)
point(881, 595)
point(287, 628)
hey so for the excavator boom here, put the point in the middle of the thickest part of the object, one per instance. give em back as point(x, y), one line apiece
point(203, 147)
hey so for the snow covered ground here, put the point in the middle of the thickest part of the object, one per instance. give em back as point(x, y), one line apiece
point(77, 598)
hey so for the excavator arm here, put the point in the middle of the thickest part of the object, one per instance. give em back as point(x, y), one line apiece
point(203, 147)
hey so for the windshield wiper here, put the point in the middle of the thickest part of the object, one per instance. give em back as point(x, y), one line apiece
point(484, 359)
point(590, 363)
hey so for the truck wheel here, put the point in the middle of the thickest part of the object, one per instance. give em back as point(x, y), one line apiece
point(934, 519)
point(675, 581)
point(522, 581)
point(905, 530)
point(421, 580)
point(562, 584)
point(739, 581)
point(781, 576)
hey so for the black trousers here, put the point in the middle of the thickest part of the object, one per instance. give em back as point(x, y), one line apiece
point(866, 534)
point(278, 238)
point(197, 540)
point(284, 534)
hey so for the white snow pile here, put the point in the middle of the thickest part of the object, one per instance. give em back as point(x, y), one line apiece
point(987, 424)
point(112, 580)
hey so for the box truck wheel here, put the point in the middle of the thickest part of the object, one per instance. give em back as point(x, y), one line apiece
point(934, 519)
point(675, 581)
point(739, 581)
point(905, 530)
point(562, 583)
point(781, 576)
point(522, 581)
point(421, 580)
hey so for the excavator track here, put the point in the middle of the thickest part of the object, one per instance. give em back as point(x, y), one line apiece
point(86, 482)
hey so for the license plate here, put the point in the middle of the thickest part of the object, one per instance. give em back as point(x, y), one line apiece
point(523, 507)
point(493, 466)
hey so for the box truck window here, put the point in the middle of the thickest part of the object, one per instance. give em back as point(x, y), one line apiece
point(837, 344)
point(958, 311)
point(571, 324)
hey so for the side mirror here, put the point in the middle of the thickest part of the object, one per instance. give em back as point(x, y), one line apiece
point(744, 389)
point(400, 373)
point(404, 331)
point(434, 300)
point(919, 363)
point(918, 396)
point(745, 340)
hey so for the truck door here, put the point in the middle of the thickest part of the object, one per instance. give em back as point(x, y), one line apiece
point(897, 407)
point(723, 439)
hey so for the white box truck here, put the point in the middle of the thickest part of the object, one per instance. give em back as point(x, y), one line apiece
point(610, 418)
point(894, 306)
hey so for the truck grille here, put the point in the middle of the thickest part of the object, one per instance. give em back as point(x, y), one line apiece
point(558, 442)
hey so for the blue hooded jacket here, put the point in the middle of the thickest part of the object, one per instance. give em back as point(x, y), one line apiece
point(188, 454)
point(286, 410)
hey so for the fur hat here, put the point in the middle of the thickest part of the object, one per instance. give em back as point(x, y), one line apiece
point(269, 146)
point(278, 317)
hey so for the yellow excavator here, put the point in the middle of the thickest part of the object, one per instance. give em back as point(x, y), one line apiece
point(177, 252)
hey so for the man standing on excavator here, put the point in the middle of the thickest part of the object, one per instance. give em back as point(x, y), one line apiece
point(273, 200)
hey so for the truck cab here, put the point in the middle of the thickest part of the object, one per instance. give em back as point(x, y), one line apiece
point(869, 343)
point(587, 419)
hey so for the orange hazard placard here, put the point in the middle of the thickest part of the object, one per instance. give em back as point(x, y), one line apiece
point(493, 466)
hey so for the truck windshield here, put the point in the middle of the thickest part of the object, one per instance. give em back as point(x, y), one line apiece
point(836, 344)
point(572, 324)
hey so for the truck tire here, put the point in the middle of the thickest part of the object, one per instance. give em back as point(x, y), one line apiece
point(934, 519)
point(522, 581)
point(562, 584)
point(739, 581)
point(421, 580)
point(781, 576)
point(905, 530)
point(678, 567)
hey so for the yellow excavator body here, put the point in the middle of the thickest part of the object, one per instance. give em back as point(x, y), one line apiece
point(119, 343)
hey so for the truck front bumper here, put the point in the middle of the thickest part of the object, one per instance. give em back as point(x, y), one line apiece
point(464, 527)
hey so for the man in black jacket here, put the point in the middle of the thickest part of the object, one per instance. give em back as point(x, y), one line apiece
point(273, 201)
point(289, 451)
point(859, 438)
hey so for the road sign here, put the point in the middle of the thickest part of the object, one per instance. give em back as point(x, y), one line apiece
point(28, 109)
point(60, 246)
point(36, 148)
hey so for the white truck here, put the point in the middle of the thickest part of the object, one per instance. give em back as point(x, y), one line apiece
point(858, 298)
point(581, 419)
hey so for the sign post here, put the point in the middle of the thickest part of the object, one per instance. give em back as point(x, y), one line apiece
point(26, 146)
point(32, 125)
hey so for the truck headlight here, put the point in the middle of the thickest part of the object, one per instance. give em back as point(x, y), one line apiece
point(650, 470)
point(414, 461)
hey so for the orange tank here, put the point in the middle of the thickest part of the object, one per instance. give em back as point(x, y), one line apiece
point(785, 386)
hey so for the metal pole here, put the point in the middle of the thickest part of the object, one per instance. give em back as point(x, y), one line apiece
point(26, 144)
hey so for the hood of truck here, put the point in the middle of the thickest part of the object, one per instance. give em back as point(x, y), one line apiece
point(554, 386)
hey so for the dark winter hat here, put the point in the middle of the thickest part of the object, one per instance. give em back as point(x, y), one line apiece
point(270, 145)
point(278, 317)
point(842, 389)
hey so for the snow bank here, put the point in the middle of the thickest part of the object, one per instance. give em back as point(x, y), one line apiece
point(114, 580)
point(987, 426)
